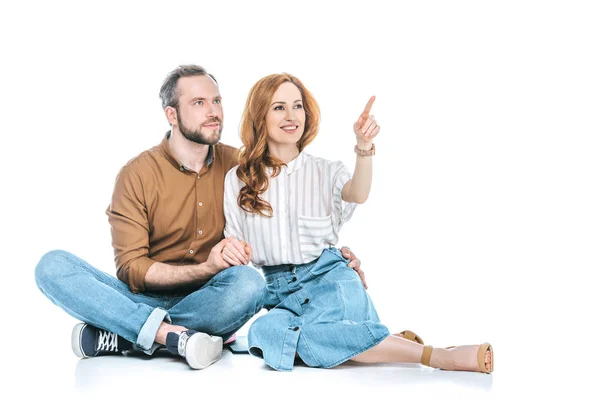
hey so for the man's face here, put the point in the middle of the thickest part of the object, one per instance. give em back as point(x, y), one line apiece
point(199, 114)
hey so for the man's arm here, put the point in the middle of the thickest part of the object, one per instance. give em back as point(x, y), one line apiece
point(161, 276)
point(354, 264)
point(128, 218)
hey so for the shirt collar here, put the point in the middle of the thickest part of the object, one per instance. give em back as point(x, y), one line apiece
point(164, 146)
point(296, 163)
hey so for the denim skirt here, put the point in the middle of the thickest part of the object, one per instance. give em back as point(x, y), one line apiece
point(319, 310)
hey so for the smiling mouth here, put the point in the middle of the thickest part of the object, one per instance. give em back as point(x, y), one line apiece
point(289, 128)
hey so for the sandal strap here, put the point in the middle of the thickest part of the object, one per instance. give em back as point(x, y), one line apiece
point(426, 356)
point(481, 357)
point(410, 335)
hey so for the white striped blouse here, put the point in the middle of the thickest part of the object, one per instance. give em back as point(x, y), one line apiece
point(308, 212)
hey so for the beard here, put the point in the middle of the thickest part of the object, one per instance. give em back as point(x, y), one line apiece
point(197, 136)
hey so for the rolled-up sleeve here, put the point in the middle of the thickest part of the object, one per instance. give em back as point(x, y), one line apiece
point(342, 211)
point(128, 218)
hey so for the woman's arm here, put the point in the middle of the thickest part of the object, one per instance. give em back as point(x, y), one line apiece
point(357, 189)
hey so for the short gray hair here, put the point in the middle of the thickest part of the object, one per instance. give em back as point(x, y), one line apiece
point(169, 96)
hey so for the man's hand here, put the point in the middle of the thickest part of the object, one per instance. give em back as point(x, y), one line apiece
point(354, 264)
point(236, 252)
point(161, 276)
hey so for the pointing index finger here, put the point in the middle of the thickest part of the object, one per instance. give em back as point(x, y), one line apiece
point(367, 109)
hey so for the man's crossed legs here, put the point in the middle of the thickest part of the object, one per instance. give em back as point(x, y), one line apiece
point(191, 324)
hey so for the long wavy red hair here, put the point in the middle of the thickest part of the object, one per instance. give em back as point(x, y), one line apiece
point(254, 154)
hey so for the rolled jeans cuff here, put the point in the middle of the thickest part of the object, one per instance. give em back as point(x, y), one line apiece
point(145, 340)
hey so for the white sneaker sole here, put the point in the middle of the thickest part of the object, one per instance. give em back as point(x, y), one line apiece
point(202, 350)
point(76, 340)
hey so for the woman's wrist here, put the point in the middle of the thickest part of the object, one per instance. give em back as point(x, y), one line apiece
point(362, 145)
point(365, 152)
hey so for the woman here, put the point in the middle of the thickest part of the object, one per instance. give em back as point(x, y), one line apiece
point(288, 207)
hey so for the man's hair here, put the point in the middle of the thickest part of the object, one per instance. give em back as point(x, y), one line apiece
point(169, 96)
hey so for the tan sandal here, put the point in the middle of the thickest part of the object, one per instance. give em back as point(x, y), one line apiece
point(427, 350)
point(410, 335)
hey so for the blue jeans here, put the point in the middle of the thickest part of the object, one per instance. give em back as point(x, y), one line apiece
point(220, 307)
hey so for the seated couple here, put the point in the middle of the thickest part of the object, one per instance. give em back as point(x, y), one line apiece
point(188, 215)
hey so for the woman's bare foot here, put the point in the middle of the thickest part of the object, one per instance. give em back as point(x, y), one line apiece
point(460, 358)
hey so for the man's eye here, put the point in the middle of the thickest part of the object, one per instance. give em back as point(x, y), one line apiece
point(217, 101)
point(199, 102)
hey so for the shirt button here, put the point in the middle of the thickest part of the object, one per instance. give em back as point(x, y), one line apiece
point(200, 204)
point(200, 231)
point(181, 169)
point(198, 177)
point(306, 301)
point(191, 251)
point(294, 279)
point(296, 328)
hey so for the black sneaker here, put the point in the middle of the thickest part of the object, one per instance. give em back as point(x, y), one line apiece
point(199, 349)
point(89, 341)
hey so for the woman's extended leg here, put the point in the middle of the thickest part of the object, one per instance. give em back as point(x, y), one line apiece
point(397, 349)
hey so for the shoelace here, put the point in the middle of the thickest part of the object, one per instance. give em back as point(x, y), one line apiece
point(107, 341)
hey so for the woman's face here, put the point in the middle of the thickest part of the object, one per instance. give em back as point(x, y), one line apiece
point(286, 116)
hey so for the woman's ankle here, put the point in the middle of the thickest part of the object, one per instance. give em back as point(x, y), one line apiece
point(443, 359)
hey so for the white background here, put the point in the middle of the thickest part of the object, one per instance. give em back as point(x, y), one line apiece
point(483, 220)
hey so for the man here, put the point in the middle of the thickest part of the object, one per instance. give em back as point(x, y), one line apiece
point(174, 288)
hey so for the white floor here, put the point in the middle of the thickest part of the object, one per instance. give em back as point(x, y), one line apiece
point(244, 375)
point(241, 376)
point(39, 361)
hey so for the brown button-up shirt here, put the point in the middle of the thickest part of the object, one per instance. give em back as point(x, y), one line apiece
point(161, 211)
